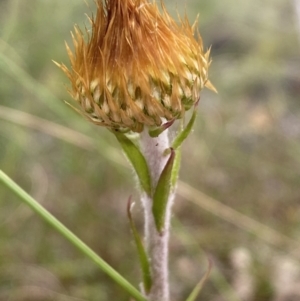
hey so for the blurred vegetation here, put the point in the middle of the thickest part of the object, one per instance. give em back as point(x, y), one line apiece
point(242, 161)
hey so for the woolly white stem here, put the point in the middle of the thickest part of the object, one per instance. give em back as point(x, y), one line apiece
point(156, 243)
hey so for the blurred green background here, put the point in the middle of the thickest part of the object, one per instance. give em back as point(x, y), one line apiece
point(239, 200)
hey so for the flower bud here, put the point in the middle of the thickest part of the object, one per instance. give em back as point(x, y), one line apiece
point(137, 67)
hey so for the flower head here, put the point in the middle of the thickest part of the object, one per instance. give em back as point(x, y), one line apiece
point(137, 67)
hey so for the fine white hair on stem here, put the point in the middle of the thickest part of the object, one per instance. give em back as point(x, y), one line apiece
point(156, 243)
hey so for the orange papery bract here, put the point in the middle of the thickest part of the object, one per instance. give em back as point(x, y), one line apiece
point(137, 67)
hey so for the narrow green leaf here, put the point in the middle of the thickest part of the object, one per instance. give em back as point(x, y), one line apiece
point(137, 160)
point(144, 260)
point(73, 239)
point(162, 192)
point(185, 132)
point(157, 131)
point(176, 167)
point(196, 291)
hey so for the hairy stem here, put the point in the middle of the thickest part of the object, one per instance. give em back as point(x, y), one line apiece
point(156, 243)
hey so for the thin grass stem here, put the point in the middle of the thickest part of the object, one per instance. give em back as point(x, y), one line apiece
point(72, 238)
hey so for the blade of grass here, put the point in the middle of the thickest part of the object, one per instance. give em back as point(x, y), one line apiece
point(72, 238)
point(196, 291)
point(11, 21)
point(51, 128)
point(40, 92)
point(242, 221)
point(28, 82)
point(217, 278)
point(62, 132)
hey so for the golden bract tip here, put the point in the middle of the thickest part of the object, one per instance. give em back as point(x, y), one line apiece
point(137, 66)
